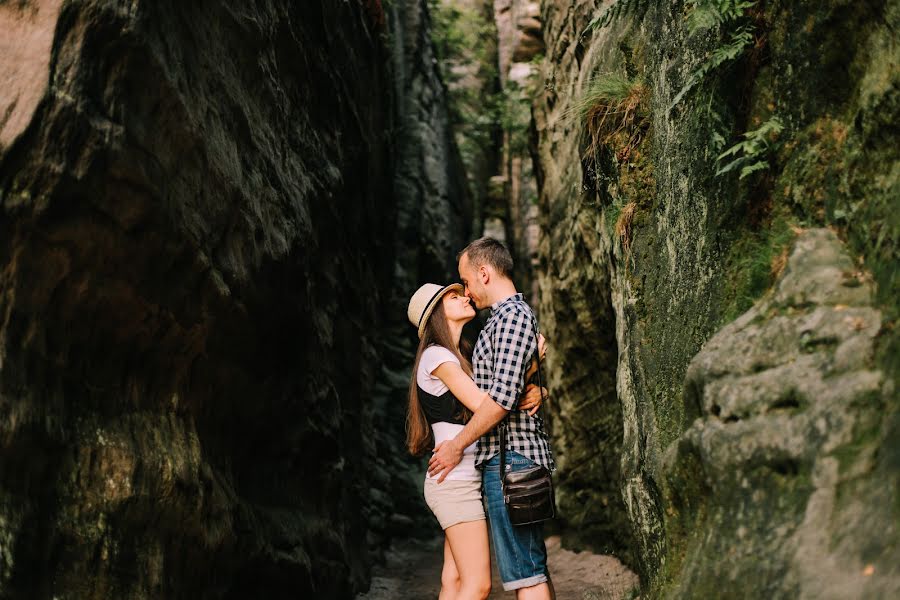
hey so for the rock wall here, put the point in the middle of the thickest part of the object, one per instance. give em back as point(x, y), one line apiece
point(198, 225)
point(432, 220)
point(521, 47)
point(574, 281)
point(785, 471)
point(430, 179)
point(641, 238)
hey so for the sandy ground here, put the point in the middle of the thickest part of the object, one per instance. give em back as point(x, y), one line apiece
point(413, 572)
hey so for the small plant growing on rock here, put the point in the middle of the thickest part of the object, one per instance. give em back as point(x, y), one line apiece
point(730, 16)
point(705, 14)
point(613, 105)
point(751, 153)
point(620, 9)
point(623, 225)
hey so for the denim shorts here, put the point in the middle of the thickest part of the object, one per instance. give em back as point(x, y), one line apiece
point(520, 550)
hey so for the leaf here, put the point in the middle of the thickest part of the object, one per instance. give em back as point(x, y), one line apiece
point(750, 169)
point(752, 149)
point(717, 139)
point(731, 151)
point(730, 166)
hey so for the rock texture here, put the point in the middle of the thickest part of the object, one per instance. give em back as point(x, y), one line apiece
point(640, 238)
point(521, 47)
point(432, 217)
point(781, 473)
point(197, 224)
point(430, 180)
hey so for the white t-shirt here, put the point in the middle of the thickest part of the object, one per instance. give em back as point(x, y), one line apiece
point(432, 358)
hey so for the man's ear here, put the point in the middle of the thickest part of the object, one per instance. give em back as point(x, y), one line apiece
point(485, 273)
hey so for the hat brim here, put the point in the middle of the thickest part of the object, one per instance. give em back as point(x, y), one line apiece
point(426, 314)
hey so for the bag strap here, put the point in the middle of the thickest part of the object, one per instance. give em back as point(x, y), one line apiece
point(504, 424)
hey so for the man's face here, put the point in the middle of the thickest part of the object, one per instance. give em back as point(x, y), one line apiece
point(471, 279)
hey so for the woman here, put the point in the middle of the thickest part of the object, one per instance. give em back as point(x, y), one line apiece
point(442, 396)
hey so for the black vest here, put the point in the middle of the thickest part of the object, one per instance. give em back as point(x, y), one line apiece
point(444, 408)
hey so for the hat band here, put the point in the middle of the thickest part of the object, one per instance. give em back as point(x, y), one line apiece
point(430, 302)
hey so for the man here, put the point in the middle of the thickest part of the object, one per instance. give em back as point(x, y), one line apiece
point(499, 363)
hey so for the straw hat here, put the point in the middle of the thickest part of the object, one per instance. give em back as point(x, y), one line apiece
point(424, 301)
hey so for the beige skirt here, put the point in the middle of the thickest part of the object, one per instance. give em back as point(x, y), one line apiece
point(454, 501)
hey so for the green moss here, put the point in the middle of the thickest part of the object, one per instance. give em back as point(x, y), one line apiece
point(614, 111)
point(753, 263)
point(866, 436)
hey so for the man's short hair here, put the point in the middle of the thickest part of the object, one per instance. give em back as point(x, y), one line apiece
point(489, 251)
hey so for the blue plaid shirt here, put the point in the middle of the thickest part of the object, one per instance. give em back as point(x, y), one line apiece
point(501, 357)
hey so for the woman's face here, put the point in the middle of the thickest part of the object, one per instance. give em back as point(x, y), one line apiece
point(458, 307)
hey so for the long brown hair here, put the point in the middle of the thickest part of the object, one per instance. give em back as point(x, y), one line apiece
point(419, 438)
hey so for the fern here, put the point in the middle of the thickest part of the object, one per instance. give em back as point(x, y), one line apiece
point(716, 124)
point(735, 46)
point(706, 14)
point(751, 152)
point(620, 9)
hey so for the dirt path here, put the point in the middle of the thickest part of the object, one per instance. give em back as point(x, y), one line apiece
point(413, 572)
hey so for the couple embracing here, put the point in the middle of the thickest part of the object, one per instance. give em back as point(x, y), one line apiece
point(456, 402)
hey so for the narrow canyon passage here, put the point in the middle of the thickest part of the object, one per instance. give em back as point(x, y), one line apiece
point(213, 216)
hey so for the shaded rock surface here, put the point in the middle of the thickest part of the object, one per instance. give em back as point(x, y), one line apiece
point(198, 264)
point(781, 473)
point(432, 218)
point(640, 238)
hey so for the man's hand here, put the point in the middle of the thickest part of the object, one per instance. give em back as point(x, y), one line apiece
point(445, 458)
point(532, 399)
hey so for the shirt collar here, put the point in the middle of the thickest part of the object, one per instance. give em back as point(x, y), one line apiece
point(520, 297)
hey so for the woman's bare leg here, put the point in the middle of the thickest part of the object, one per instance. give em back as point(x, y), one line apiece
point(449, 575)
point(472, 555)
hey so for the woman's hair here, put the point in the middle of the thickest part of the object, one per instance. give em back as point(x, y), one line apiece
point(419, 438)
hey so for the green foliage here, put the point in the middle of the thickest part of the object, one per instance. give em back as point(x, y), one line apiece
point(728, 52)
point(461, 40)
point(619, 10)
point(465, 43)
point(751, 153)
point(612, 105)
point(716, 123)
point(754, 262)
point(511, 110)
point(459, 36)
point(706, 14)
point(727, 15)
point(605, 89)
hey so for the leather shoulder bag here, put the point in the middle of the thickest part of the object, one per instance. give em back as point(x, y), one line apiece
point(528, 494)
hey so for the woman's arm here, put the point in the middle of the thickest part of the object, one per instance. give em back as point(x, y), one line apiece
point(460, 384)
point(542, 351)
point(465, 390)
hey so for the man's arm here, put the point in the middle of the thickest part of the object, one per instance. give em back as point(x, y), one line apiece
point(513, 342)
point(448, 454)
